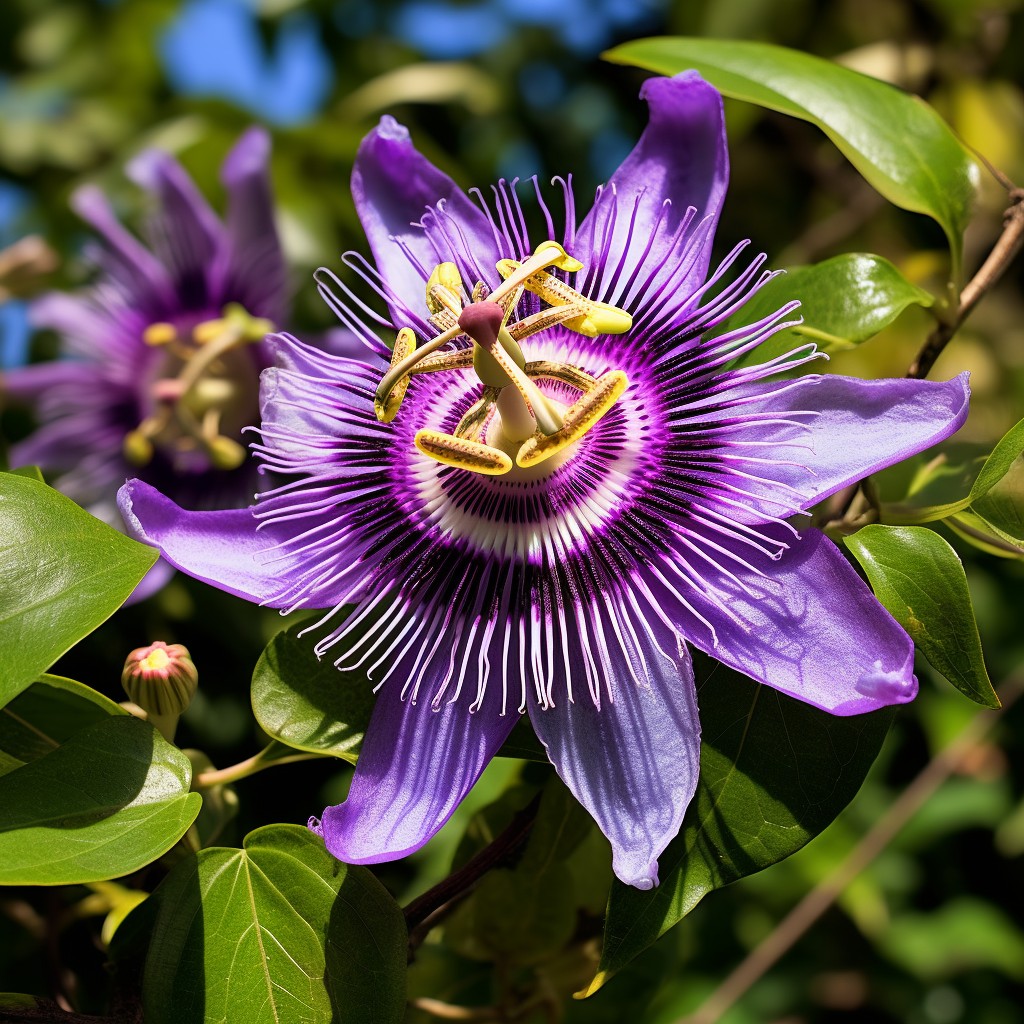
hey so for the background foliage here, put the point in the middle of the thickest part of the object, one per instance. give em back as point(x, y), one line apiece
point(931, 933)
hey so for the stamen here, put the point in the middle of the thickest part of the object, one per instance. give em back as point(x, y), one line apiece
point(405, 345)
point(578, 419)
point(595, 317)
point(462, 453)
point(547, 254)
point(160, 334)
point(571, 376)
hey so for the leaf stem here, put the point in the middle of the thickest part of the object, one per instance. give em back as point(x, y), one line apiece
point(251, 765)
point(807, 912)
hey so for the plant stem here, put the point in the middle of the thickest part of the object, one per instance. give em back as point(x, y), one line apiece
point(251, 765)
point(806, 913)
point(424, 912)
point(1003, 252)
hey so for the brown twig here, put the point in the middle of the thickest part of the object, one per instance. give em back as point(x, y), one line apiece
point(1003, 252)
point(804, 915)
point(424, 912)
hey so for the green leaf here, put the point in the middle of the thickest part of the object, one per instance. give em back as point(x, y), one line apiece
point(309, 704)
point(278, 931)
point(900, 144)
point(31, 472)
point(921, 582)
point(111, 799)
point(843, 301)
point(940, 476)
point(62, 573)
point(48, 713)
point(773, 773)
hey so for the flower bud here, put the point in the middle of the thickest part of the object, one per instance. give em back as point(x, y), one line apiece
point(160, 678)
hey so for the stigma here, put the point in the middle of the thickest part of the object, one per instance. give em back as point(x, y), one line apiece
point(202, 394)
point(514, 423)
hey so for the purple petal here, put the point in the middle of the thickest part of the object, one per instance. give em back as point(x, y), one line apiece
point(856, 428)
point(392, 186)
point(221, 548)
point(813, 629)
point(255, 274)
point(29, 383)
point(187, 234)
point(682, 159)
point(415, 767)
point(633, 762)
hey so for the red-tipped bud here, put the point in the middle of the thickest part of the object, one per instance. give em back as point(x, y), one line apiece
point(160, 678)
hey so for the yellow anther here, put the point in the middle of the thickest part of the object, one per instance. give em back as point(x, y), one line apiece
point(387, 408)
point(555, 256)
point(160, 334)
point(137, 448)
point(594, 318)
point(225, 453)
point(444, 289)
point(209, 330)
point(547, 254)
point(463, 453)
point(475, 418)
point(578, 420)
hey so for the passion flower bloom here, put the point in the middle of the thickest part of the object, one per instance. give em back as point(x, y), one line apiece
point(162, 354)
point(555, 484)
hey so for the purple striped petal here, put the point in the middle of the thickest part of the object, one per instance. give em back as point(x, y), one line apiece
point(633, 761)
point(221, 548)
point(812, 629)
point(392, 186)
point(680, 161)
point(416, 765)
point(854, 428)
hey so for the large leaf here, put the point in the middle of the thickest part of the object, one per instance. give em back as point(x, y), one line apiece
point(921, 582)
point(773, 773)
point(62, 573)
point(899, 143)
point(111, 799)
point(276, 932)
point(843, 301)
point(49, 712)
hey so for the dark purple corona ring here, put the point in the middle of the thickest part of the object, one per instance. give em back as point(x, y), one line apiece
point(553, 485)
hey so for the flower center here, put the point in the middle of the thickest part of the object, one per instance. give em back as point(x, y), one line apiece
point(204, 392)
point(514, 423)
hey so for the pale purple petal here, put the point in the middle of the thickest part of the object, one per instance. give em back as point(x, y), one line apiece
point(255, 273)
point(681, 159)
point(632, 762)
point(28, 383)
point(811, 629)
point(221, 548)
point(416, 765)
point(392, 186)
point(852, 429)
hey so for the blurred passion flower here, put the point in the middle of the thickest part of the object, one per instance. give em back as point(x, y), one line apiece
point(163, 352)
point(554, 485)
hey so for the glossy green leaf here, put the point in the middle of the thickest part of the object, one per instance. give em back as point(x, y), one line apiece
point(843, 301)
point(62, 573)
point(48, 713)
point(944, 476)
point(276, 932)
point(111, 799)
point(31, 472)
point(921, 582)
point(900, 144)
point(307, 703)
point(773, 773)
point(995, 521)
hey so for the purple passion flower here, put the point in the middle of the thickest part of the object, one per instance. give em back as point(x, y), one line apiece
point(552, 486)
point(163, 353)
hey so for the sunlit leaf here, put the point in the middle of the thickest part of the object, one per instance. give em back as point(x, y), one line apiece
point(843, 301)
point(111, 799)
point(278, 931)
point(62, 573)
point(921, 582)
point(773, 773)
point(899, 143)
